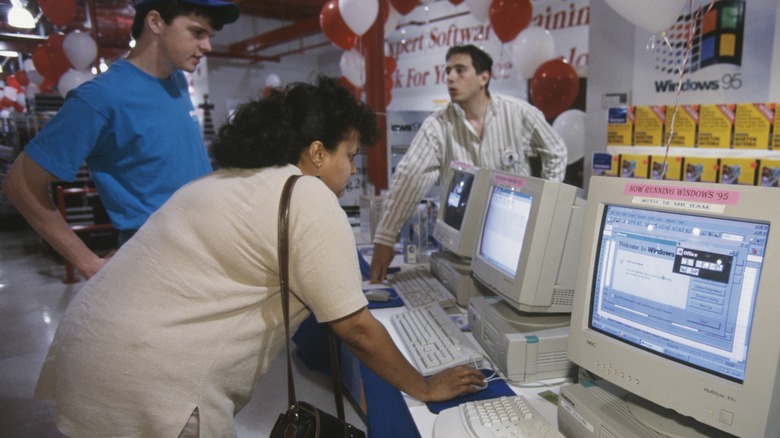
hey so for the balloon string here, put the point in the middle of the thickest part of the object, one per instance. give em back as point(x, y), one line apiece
point(692, 29)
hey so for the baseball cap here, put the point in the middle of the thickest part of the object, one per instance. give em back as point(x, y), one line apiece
point(229, 11)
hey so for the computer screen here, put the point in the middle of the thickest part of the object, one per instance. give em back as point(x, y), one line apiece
point(529, 242)
point(456, 227)
point(676, 303)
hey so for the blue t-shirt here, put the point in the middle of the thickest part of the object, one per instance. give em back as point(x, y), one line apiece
point(139, 136)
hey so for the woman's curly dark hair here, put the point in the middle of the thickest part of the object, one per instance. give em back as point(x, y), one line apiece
point(275, 130)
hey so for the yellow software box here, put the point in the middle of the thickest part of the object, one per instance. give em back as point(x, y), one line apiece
point(673, 168)
point(769, 173)
point(738, 171)
point(605, 164)
point(620, 126)
point(649, 121)
point(716, 126)
point(700, 169)
point(686, 125)
point(753, 125)
point(634, 166)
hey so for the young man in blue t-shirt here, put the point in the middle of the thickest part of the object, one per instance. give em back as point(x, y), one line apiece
point(134, 126)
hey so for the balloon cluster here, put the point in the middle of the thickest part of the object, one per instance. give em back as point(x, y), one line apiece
point(64, 59)
point(61, 61)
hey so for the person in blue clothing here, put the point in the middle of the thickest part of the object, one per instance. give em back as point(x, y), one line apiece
point(134, 126)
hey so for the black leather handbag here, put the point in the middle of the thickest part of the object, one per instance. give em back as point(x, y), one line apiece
point(302, 420)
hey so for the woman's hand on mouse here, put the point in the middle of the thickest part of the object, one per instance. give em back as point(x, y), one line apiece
point(453, 382)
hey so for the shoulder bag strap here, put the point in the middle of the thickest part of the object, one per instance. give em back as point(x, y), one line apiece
point(284, 214)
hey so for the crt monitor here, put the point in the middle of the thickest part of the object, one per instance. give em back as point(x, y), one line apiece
point(677, 305)
point(457, 223)
point(529, 242)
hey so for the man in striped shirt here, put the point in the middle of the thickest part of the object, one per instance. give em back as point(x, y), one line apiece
point(487, 130)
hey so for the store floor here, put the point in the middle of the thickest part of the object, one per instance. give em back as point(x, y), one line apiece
point(32, 300)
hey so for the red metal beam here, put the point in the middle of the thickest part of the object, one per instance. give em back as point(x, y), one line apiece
point(374, 54)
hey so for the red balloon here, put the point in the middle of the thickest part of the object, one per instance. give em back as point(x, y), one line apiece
point(11, 81)
point(456, 2)
point(404, 6)
point(554, 87)
point(510, 17)
point(390, 65)
point(58, 12)
point(22, 77)
point(334, 27)
point(49, 58)
point(388, 89)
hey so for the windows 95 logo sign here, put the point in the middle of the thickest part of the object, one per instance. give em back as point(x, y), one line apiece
point(718, 38)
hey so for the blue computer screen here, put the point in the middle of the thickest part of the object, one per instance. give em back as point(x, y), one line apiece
point(504, 228)
point(679, 285)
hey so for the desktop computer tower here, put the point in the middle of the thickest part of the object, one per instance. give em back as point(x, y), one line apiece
point(526, 347)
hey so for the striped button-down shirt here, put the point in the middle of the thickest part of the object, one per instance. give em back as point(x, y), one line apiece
point(513, 130)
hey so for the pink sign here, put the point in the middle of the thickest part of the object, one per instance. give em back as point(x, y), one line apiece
point(683, 193)
point(509, 180)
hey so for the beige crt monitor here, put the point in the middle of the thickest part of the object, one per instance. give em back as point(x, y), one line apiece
point(529, 242)
point(676, 311)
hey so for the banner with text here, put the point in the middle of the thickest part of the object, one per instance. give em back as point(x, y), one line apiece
point(421, 40)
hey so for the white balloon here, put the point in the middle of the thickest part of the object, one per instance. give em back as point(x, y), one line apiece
point(273, 80)
point(353, 67)
point(359, 15)
point(10, 93)
point(31, 90)
point(393, 17)
point(80, 49)
point(480, 9)
point(570, 124)
point(72, 79)
point(531, 48)
point(32, 74)
point(653, 16)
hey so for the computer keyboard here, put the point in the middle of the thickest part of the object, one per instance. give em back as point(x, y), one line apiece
point(501, 417)
point(434, 341)
point(418, 287)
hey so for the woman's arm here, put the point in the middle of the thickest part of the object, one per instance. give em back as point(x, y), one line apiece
point(370, 342)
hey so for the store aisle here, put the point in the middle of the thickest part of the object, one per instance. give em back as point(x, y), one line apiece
point(32, 300)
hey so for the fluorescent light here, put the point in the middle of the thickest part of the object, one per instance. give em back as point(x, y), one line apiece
point(9, 53)
point(20, 17)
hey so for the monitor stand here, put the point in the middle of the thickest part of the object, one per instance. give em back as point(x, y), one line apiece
point(526, 347)
point(595, 408)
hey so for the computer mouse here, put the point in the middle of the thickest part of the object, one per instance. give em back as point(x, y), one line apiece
point(480, 387)
point(381, 295)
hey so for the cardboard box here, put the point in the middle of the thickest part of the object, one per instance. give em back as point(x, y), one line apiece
point(738, 171)
point(605, 164)
point(686, 125)
point(753, 125)
point(716, 126)
point(620, 126)
point(634, 166)
point(700, 169)
point(649, 122)
point(768, 173)
point(673, 168)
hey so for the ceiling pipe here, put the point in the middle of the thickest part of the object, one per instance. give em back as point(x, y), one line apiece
point(277, 36)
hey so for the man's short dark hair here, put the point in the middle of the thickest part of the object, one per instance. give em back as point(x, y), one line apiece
point(479, 59)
